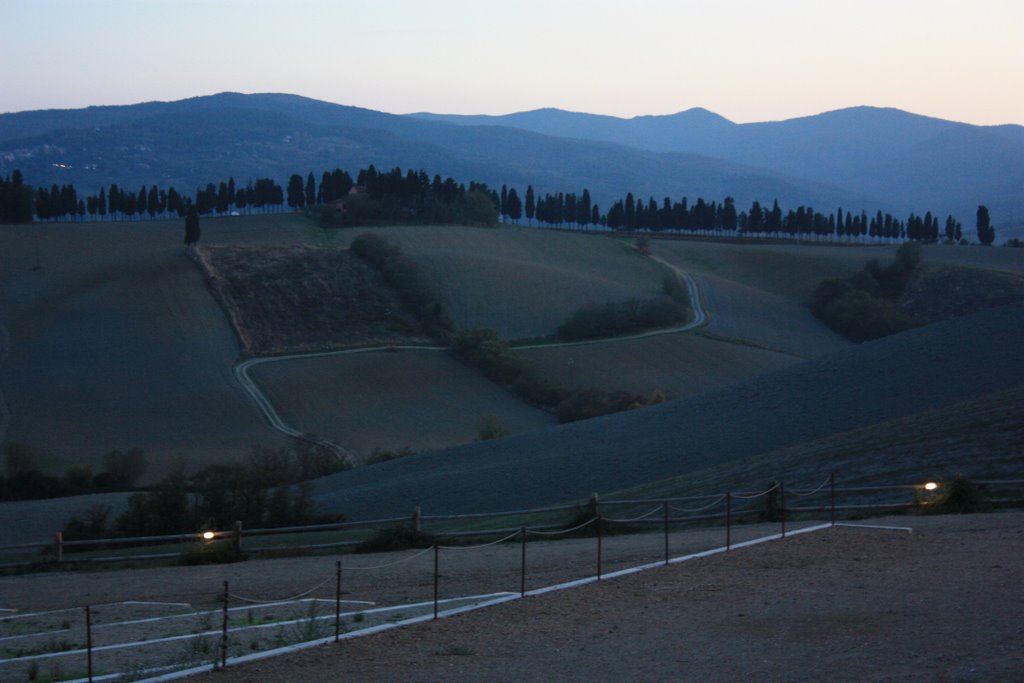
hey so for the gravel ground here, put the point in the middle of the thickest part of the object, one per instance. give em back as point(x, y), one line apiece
point(941, 604)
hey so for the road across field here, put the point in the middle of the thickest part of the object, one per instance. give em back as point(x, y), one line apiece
point(276, 422)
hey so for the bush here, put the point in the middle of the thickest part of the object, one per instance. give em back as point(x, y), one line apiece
point(958, 495)
point(624, 317)
point(210, 552)
point(413, 288)
point(863, 317)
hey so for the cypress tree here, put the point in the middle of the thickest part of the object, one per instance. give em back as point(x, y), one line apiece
point(191, 225)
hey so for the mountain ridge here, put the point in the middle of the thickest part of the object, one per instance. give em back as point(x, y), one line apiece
point(869, 158)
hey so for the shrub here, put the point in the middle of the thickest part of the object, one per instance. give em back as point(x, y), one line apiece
point(958, 495)
point(210, 552)
point(490, 427)
point(624, 317)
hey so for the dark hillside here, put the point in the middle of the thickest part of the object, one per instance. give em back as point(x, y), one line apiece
point(919, 370)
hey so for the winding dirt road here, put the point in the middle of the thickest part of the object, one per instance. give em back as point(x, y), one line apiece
point(276, 422)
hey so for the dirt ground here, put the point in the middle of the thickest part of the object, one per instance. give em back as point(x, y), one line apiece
point(943, 603)
point(940, 604)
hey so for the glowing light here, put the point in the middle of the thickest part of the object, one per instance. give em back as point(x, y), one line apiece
point(931, 486)
point(209, 535)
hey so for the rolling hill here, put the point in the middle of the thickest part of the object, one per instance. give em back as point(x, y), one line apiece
point(905, 161)
point(899, 376)
point(861, 158)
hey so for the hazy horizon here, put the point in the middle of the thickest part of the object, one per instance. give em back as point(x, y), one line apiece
point(744, 60)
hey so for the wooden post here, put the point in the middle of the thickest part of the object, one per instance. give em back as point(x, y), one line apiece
point(522, 565)
point(782, 507)
point(832, 495)
point(88, 640)
point(665, 514)
point(417, 519)
point(337, 601)
point(58, 546)
point(224, 626)
point(598, 547)
point(435, 578)
point(728, 521)
point(236, 539)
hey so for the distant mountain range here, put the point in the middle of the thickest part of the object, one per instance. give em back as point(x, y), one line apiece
point(858, 158)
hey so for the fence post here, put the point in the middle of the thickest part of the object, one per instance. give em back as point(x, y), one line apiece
point(728, 521)
point(435, 578)
point(599, 525)
point(58, 546)
point(224, 631)
point(782, 507)
point(337, 601)
point(236, 538)
point(832, 495)
point(665, 515)
point(417, 519)
point(522, 565)
point(88, 641)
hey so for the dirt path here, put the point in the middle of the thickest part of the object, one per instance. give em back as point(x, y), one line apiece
point(941, 604)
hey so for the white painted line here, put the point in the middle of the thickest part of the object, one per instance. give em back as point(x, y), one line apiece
point(152, 603)
point(908, 529)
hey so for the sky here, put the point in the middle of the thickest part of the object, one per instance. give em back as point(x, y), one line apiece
point(748, 60)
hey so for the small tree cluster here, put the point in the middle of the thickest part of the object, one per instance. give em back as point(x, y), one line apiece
point(413, 288)
point(863, 306)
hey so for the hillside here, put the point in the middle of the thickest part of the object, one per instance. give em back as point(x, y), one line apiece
point(919, 370)
point(910, 162)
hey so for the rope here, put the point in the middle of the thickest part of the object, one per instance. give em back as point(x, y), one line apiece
point(710, 505)
point(633, 519)
point(391, 564)
point(796, 492)
point(481, 545)
point(563, 531)
point(754, 495)
point(294, 597)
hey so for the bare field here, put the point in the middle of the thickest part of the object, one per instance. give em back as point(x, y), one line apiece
point(940, 604)
point(392, 400)
point(681, 364)
point(524, 283)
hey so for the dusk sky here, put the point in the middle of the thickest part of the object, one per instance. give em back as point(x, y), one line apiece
point(748, 60)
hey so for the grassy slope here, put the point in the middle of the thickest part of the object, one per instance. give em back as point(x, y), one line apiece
point(524, 283)
point(923, 369)
point(116, 343)
point(758, 293)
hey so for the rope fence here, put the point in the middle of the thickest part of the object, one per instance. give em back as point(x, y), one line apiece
point(244, 623)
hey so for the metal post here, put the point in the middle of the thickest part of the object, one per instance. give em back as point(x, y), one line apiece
point(88, 640)
point(728, 521)
point(417, 519)
point(664, 506)
point(522, 565)
point(782, 507)
point(236, 538)
point(435, 580)
point(599, 547)
point(224, 631)
point(832, 495)
point(337, 601)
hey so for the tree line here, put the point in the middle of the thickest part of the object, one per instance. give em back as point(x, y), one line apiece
point(632, 214)
point(387, 196)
